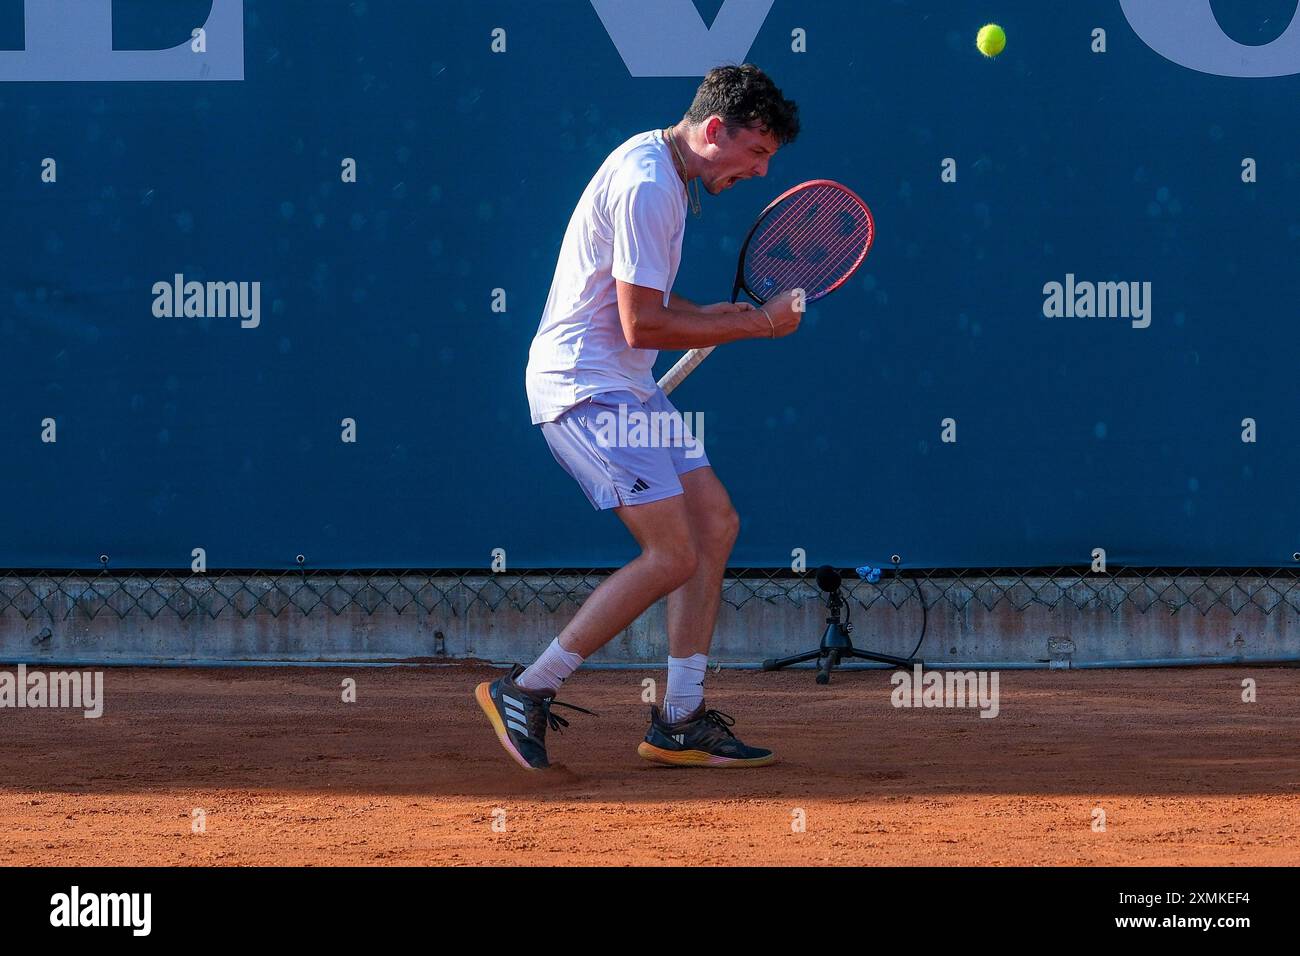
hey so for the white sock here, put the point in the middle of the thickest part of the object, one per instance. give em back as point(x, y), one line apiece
point(550, 670)
point(685, 690)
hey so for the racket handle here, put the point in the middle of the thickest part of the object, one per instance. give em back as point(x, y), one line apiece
point(685, 366)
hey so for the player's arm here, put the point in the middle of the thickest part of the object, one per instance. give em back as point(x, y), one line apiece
point(681, 303)
point(644, 215)
point(649, 324)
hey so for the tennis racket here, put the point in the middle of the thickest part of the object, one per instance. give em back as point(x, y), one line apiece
point(812, 237)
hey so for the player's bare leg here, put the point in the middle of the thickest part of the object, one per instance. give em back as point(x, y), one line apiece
point(667, 560)
point(688, 734)
point(714, 524)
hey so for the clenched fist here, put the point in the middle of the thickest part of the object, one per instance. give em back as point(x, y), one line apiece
point(785, 311)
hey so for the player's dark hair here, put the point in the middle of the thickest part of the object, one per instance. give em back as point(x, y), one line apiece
point(745, 96)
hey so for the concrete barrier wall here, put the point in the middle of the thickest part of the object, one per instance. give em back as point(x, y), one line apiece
point(355, 619)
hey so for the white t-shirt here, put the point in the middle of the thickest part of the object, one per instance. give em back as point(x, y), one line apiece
point(628, 225)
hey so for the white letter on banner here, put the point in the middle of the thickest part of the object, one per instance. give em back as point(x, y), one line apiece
point(72, 40)
point(669, 38)
point(1186, 32)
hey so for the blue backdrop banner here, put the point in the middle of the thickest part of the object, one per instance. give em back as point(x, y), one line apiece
point(271, 270)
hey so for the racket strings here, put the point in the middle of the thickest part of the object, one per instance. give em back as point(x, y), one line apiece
point(813, 221)
point(821, 227)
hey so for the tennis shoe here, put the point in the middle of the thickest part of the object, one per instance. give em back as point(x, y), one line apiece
point(702, 739)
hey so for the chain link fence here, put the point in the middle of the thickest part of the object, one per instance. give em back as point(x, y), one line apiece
point(64, 595)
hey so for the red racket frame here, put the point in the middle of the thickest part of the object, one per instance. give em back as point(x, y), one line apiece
point(740, 285)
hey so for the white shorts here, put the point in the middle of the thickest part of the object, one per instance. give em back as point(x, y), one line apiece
point(622, 451)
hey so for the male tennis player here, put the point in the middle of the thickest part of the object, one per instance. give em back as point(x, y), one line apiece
point(610, 309)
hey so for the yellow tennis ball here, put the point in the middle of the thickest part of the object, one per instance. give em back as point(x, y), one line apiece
point(992, 39)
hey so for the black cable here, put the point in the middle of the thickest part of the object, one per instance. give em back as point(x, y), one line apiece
point(925, 620)
point(920, 597)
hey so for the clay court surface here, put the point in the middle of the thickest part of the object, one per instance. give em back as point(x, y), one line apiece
point(286, 773)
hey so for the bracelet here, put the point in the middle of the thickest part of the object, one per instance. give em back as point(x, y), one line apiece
point(769, 322)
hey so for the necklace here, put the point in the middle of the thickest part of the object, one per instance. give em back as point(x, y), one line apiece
point(695, 199)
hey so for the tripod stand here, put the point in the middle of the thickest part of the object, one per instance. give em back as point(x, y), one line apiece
point(835, 644)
